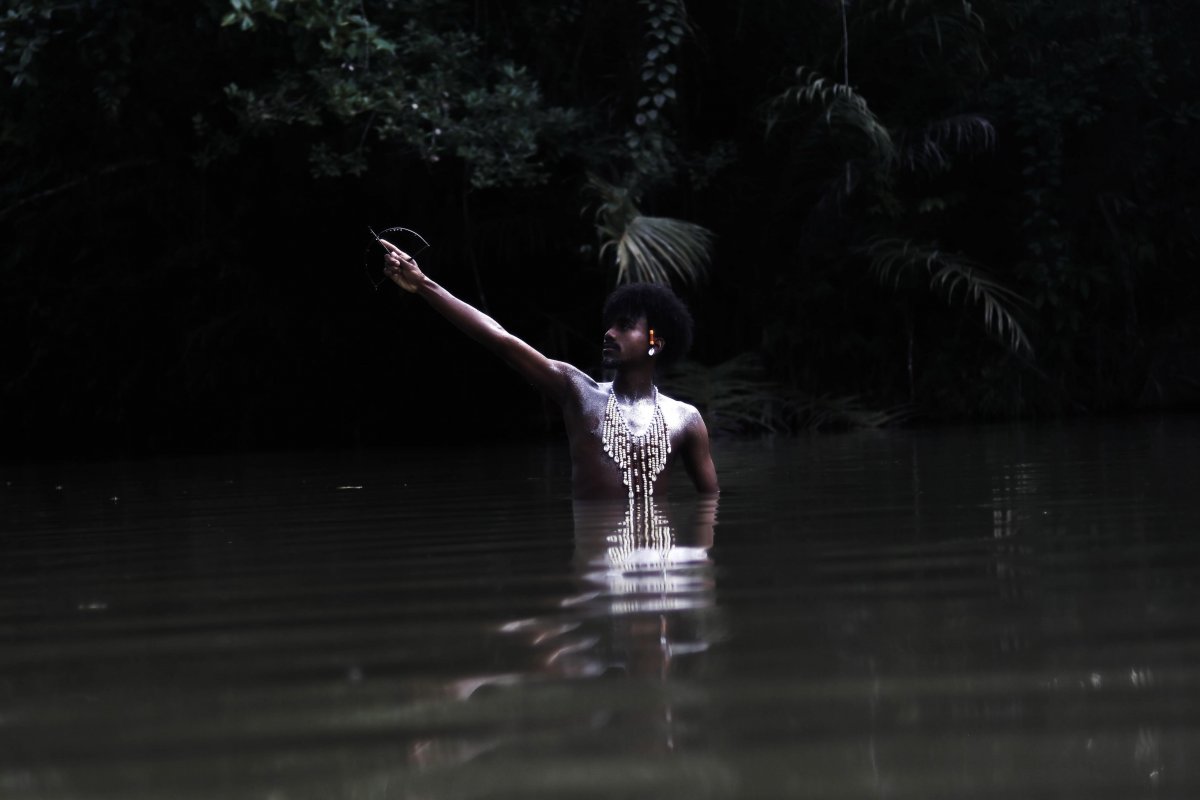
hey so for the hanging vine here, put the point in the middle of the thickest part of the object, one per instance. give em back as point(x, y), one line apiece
point(650, 142)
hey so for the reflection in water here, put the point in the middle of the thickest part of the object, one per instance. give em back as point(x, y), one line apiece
point(647, 585)
point(932, 615)
point(644, 603)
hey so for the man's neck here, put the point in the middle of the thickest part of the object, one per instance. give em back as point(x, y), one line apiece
point(634, 384)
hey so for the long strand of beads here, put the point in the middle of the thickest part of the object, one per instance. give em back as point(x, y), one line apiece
point(640, 457)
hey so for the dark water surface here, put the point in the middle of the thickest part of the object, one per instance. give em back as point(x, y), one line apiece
point(1005, 612)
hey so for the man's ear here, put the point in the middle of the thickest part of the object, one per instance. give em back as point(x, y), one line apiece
point(659, 344)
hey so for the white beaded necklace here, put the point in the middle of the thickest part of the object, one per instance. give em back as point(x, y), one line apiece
point(640, 457)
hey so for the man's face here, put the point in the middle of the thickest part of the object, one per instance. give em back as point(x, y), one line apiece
point(625, 341)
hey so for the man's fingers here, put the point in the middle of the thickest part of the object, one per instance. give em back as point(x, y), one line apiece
point(392, 249)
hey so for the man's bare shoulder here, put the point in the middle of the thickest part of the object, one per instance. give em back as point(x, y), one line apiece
point(678, 414)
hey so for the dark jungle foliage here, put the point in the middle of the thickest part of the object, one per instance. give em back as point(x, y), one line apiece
point(918, 209)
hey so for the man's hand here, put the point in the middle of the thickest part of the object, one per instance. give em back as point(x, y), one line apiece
point(401, 267)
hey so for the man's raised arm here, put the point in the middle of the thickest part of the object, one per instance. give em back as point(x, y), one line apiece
point(550, 377)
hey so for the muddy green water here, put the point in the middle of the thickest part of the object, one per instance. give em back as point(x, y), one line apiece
point(999, 612)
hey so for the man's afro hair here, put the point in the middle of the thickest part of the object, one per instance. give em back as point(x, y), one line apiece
point(665, 313)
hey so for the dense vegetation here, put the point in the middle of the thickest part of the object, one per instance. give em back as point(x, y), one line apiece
point(932, 209)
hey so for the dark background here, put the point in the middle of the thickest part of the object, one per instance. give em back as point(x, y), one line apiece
point(185, 190)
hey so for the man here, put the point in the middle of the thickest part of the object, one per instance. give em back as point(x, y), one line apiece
point(624, 436)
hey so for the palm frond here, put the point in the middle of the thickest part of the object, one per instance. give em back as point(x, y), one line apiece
point(842, 106)
point(645, 248)
point(652, 248)
point(998, 301)
point(957, 278)
point(932, 147)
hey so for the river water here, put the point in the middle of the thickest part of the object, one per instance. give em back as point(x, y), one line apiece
point(990, 612)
